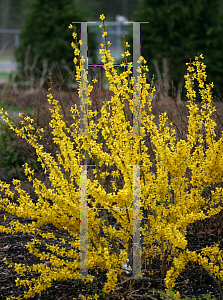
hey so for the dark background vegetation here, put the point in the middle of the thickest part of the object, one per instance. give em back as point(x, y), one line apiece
point(178, 30)
point(46, 30)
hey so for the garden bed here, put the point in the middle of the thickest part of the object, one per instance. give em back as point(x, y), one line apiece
point(194, 281)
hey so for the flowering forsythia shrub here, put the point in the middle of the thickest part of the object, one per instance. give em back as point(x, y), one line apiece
point(170, 203)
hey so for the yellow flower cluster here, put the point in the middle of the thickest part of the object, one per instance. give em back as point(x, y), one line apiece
point(170, 202)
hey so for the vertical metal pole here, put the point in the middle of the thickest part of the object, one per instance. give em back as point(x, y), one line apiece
point(84, 224)
point(136, 168)
point(136, 223)
point(136, 80)
point(84, 85)
point(83, 132)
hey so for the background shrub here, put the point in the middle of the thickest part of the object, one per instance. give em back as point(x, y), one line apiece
point(12, 156)
point(178, 30)
point(45, 35)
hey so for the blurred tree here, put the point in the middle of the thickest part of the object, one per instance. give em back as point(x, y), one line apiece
point(92, 9)
point(46, 35)
point(179, 30)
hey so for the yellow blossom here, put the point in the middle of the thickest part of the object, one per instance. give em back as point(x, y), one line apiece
point(102, 17)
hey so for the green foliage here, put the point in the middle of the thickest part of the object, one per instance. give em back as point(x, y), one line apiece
point(178, 30)
point(11, 158)
point(46, 31)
